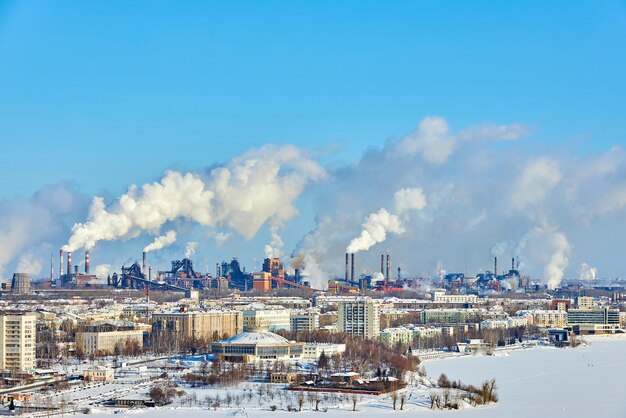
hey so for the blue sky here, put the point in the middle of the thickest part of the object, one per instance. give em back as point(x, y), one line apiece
point(106, 94)
point(110, 93)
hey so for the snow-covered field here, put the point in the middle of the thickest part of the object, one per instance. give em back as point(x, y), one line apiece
point(548, 382)
point(538, 382)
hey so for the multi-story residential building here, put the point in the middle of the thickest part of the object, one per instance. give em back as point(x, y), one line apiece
point(545, 318)
point(442, 297)
point(584, 302)
point(359, 316)
point(393, 336)
point(198, 325)
point(105, 341)
point(313, 351)
point(450, 316)
point(17, 341)
point(305, 320)
point(269, 319)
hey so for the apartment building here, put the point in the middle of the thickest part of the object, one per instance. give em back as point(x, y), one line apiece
point(269, 319)
point(198, 325)
point(359, 316)
point(305, 320)
point(18, 334)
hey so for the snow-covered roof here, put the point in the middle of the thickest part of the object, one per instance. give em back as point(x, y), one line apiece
point(256, 337)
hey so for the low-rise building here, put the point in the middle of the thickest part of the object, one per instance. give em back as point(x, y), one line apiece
point(98, 374)
point(252, 346)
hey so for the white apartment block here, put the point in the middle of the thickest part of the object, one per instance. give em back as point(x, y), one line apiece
point(270, 319)
point(105, 341)
point(17, 341)
point(313, 351)
point(305, 320)
point(443, 298)
point(359, 316)
point(545, 318)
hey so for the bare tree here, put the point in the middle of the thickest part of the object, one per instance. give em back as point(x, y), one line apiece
point(394, 399)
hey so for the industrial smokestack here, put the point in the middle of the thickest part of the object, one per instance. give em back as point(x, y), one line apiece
point(347, 263)
point(150, 273)
point(60, 263)
point(87, 262)
point(382, 264)
point(76, 270)
point(51, 267)
point(513, 263)
point(388, 267)
point(495, 266)
point(143, 265)
point(352, 269)
point(69, 263)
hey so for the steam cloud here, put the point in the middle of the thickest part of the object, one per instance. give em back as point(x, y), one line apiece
point(161, 242)
point(190, 249)
point(254, 188)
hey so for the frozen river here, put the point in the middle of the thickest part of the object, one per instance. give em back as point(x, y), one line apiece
point(548, 382)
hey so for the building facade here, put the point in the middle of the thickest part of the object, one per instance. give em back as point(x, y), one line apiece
point(198, 325)
point(359, 316)
point(18, 339)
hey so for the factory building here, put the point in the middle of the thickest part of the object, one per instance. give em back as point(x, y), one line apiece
point(359, 316)
point(18, 339)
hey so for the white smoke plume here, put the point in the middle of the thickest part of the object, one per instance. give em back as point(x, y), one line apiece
point(499, 249)
point(190, 249)
point(254, 188)
point(275, 247)
point(29, 263)
point(102, 271)
point(409, 199)
point(587, 272)
point(161, 241)
point(375, 229)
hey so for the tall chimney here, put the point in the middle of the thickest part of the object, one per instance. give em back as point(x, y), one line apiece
point(150, 273)
point(60, 263)
point(513, 263)
point(495, 266)
point(51, 267)
point(69, 263)
point(388, 267)
point(87, 262)
point(143, 265)
point(352, 270)
point(382, 264)
point(347, 264)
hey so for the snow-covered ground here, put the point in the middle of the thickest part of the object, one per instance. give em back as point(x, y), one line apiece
point(534, 382)
point(548, 382)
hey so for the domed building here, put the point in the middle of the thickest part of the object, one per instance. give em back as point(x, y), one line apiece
point(255, 345)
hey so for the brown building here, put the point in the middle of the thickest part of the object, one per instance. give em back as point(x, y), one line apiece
point(198, 325)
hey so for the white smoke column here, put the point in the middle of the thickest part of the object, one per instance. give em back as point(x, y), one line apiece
point(190, 249)
point(375, 229)
point(587, 272)
point(498, 249)
point(162, 241)
point(275, 247)
point(29, 263)
point(102, 271)
point(545, 245)
point(254, 188)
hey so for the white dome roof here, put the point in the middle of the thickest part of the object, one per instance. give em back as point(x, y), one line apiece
point(256, 337)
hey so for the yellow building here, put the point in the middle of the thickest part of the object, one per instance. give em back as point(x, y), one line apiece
point(18, 335)
point(198, 325)
point(97, 342)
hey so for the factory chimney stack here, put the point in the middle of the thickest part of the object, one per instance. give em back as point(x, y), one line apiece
point(382, 264)
point(60, 263)
point(495, 266)
point(51, 268)
point(347, 263)
point(352, 270)
point(143, 264)
point(69, 263)
point(87, 262)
